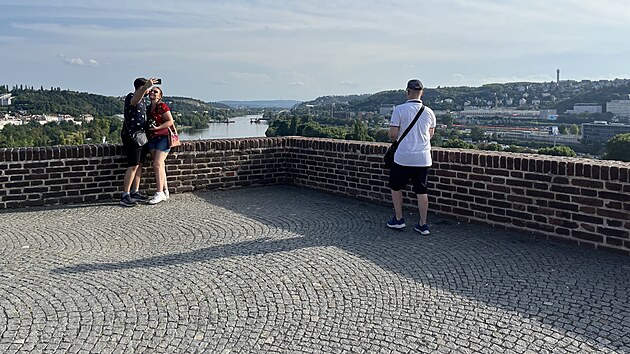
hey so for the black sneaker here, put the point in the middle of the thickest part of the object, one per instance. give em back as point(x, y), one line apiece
point(126, 201)
point(139, 197)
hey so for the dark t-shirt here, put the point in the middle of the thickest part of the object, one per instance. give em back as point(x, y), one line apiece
point(135, 117)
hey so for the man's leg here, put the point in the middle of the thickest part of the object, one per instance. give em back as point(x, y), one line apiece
point(135, 184)
point(423, 207)
point(397, 199)
point(131, 175)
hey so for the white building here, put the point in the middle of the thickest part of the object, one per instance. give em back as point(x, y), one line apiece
point(619, 108)
point(385, 110)
point(585, 108)
point(9, 120)
point(472, 111)
point(5, 100)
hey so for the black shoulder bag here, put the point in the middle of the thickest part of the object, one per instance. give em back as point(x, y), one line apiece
point(391, 150)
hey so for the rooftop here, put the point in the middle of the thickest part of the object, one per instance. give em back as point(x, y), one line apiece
point(285, 269)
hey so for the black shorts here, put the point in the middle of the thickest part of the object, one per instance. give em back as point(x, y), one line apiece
point(135, 154)
point(399, 176)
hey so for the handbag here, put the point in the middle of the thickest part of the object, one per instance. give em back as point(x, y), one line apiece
point(139, 136)
point(389, 155)
point(388, 158)
point(173, 137)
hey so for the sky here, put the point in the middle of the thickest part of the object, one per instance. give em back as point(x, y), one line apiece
point(217, 50)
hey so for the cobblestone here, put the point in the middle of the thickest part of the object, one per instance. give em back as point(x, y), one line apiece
point(282, 269)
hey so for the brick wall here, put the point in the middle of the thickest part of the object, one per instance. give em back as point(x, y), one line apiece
point(87, 173)
point(584, 202)
point(579, 201)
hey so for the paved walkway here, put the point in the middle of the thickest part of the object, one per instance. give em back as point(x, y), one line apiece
point(286, 270)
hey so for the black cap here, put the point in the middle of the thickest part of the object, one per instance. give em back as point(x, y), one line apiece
point(414, 84)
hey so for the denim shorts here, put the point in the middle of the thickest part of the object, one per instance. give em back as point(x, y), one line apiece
point(159, 143)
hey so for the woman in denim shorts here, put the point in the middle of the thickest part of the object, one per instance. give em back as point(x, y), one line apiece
point(160, 120)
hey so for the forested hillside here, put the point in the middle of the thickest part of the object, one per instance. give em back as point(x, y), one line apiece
point(537, 95)
point(57, 101)
point(28, 101)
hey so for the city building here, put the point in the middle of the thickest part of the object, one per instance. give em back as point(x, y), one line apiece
point(548, 114)
point(619, 108)
point(585, 108)
point(601, 131)
point(5, 100)
point(472, 111)
point(385, 110)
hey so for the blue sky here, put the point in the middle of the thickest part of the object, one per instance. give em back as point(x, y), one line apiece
point(244, 50)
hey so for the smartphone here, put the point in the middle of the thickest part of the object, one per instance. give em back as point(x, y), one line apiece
point(158, 81)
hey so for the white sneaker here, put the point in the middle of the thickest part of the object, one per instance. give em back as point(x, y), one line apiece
point(167, 193)
point(157, 198)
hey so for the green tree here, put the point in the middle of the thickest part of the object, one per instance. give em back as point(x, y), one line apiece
point(489, 146)
point(518, 149)
point(477, 134)
point(560, 150)
point(618, 148)
point(457, 143)
point(563, 129)
point(574, 129)
point(380, 134)
point(437, 139)
point(359, 131)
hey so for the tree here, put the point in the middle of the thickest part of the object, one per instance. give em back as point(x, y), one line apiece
point(457, 143)
point(477, 134)
point(359, 131)
point(489, 146)
point(518, 149)
point(563, 130)
point(574, 129)
point(618, 148)
point(380, 134)
point(560, 150)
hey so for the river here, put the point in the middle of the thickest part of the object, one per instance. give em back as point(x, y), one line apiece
point(241, 128)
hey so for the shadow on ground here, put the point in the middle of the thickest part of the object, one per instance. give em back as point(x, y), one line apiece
point(577, 290)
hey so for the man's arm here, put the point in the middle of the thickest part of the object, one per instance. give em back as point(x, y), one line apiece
point(137, 96)
point(393, 133)
point(431, 132)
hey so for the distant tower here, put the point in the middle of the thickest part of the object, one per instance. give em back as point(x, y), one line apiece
point(558, 76)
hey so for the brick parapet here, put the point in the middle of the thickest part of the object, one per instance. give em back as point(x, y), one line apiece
point(88, 173)
point(579, 201)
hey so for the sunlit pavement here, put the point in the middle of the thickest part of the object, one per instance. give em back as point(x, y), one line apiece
point(282, 269)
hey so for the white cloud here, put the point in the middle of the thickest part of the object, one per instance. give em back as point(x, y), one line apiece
point(211, 48)
point(81, 62)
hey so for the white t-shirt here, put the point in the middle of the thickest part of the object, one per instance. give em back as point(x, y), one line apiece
point(415, 149)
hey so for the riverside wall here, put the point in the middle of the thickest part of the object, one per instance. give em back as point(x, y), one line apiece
point(578, 201)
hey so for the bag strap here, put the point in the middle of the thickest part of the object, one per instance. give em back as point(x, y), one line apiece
point(129, 132)
point(174, 128)
point(126, 126)
point(415, 119)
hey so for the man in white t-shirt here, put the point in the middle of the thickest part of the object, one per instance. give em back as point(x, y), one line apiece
point(413, 156)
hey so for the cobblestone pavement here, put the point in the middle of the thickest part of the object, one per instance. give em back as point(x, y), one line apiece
point(282, 269)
